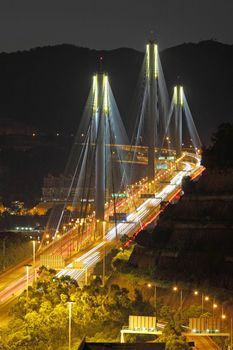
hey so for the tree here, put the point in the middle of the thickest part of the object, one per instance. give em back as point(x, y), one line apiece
point(139, 306)
point(188, 186)
point(42, 322)
point(144, 238)
point(219, 154)
point(124, 238)
point(177, 343)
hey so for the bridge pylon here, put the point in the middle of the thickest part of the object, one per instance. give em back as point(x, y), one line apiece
point(152, 119)
point(178, 100)
point(100, 114)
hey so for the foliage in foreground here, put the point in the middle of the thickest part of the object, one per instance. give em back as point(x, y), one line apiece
point(42, 322)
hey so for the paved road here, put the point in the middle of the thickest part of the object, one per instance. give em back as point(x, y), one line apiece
point(146, 211)
point(203, 343)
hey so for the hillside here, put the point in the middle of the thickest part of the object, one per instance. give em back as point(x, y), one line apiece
point(193, 239)
point(47, 87)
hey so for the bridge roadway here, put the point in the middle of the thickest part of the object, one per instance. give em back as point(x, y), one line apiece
point(13, 281)
point(143, 214)
point(63, 243)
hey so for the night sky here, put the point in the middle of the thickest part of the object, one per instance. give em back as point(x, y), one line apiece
point(108, 24)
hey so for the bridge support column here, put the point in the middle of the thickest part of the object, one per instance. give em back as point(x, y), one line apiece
point(178, 101)
point(101, 114)
point(152, 105)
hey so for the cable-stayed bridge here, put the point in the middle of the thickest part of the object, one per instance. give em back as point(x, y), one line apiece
point(117, 186)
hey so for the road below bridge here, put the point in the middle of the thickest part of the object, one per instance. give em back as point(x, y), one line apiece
point(203, 343)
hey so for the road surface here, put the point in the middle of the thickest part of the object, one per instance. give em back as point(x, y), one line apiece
point(142, 214)
point(203, 343)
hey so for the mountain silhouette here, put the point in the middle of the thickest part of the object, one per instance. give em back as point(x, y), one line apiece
point(47, 87)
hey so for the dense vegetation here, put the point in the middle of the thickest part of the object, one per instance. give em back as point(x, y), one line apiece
point(41, 322)
point(98, 313)
point(219, 154)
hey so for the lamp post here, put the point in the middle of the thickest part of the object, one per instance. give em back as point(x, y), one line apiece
point(203, 299)
point(34, 253)
point(70, 317)
point(168, 142)
point(214, 306)
point(175, 289)
point(223, 317)
point(196, 293)
point(34, 257)
point(104, 251)
point(27, 279)
point(149, 285)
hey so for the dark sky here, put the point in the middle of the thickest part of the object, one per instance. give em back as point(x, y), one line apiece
point(107, 24)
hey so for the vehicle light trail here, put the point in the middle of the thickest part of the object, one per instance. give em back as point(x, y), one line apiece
point(134, 219)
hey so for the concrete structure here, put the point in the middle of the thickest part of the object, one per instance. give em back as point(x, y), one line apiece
point(145, 325)
point(152, 104)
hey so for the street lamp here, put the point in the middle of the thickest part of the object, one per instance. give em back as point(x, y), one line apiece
point(27, 279)
point(214, 306)
point(34, 253)
point(34, 257)
point(70, 316)
point(175, 289)
point(196, 293)
point(206, 298)
point(203, 299)
point(149, 285)
point(168, 141)
point(223, 317)
point(104, 248)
